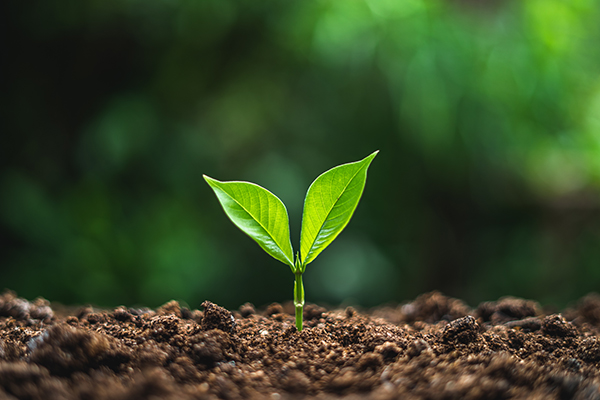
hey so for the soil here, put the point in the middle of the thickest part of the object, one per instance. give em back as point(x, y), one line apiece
point(434, 347)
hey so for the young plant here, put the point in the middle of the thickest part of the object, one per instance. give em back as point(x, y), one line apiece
point(329, 204)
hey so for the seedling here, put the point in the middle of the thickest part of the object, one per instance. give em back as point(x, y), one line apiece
point(329, 204)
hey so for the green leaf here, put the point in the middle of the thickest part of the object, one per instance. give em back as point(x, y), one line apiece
point(329, 204)
point(258, 213)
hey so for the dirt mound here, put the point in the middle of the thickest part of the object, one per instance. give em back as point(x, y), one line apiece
point(432, 348)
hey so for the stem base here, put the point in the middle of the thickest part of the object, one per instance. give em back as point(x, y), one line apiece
point(299, 300)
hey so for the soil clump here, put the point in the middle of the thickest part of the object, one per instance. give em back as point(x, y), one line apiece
point(434, 347)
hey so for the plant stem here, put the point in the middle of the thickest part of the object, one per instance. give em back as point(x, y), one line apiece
point(299, 299)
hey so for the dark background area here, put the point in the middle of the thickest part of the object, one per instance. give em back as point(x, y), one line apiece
point(487, 115)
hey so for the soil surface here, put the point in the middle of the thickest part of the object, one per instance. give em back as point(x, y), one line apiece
point(432, 348)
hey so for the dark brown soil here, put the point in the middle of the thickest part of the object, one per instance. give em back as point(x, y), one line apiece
point(432, 348)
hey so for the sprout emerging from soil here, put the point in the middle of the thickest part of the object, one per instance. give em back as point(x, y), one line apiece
point(328, 207)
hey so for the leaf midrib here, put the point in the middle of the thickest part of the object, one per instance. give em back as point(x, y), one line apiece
point(328, 213)
point(261, 225)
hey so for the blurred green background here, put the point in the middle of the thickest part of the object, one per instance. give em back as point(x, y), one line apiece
point(487, 115)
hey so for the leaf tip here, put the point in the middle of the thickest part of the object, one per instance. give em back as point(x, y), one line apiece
point(371, 156)
point(208, 179)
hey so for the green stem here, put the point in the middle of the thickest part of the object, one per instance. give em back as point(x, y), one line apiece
point(299, 299)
